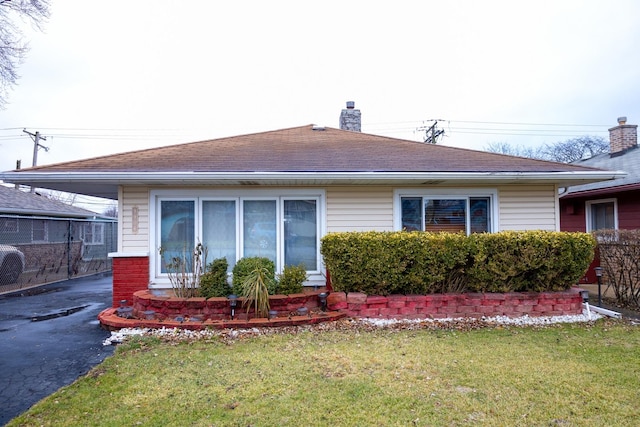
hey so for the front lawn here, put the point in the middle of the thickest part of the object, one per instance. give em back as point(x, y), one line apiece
point(561, 375)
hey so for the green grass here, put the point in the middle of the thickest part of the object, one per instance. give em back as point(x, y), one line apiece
point(568, 375)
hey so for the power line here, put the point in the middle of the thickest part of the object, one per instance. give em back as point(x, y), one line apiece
point(452, 127)
point(522, 134)
point(492, 123)
point(530, 124)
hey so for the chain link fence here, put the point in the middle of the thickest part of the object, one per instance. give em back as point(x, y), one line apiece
point(39, 250)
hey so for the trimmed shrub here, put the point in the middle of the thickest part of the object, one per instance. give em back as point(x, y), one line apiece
point(385, 263)
point(245, 266)
point(213, 282)
point(382, 263)
point(528, 261)
point(291, 280)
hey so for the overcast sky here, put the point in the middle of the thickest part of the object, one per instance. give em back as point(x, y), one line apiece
point(115, 76)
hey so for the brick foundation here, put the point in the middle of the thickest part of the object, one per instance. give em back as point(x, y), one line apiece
point(130, 274)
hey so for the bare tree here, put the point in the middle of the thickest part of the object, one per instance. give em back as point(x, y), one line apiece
point(111, 211)
point(13, 48)
point(620, 257)
point(568, 151)
point(60, 196)
point(575, 149)
point(515, 150)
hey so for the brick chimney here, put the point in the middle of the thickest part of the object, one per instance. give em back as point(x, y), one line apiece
point(350, 118)
point(623, 136)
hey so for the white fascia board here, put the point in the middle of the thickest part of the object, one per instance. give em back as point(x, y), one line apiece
point(186, 177)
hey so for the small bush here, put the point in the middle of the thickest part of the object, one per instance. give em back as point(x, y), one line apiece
point(213, 282)
point(245, 266)
point(291, 280)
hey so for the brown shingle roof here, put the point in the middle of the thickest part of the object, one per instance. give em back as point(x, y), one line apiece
point(303, 149)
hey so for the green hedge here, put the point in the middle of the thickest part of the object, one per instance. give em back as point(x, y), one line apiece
point(385, 263)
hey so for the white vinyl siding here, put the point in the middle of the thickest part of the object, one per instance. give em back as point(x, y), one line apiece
point(359, 209)
point(134, 237)
point(528, 208)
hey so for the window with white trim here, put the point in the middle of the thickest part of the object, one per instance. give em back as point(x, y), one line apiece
point(284, 226)
point(602, 214)
point(10, 225)
point(92, 233)
point(446, 211)
point(39, 230)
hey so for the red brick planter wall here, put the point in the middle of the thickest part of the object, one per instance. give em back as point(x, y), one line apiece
point(130, 274)
point(215, 308)
point(513, 304)
point(198, 313)
point(354, 304)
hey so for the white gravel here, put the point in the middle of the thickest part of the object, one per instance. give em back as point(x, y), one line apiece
point(525, 320)
point(230, 334)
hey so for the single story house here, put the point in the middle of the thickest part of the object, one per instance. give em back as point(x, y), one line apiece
point(613, 204)
point(276, 193)
point(55, 240)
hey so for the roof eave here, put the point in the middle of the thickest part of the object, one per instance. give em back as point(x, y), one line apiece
point(47, 213)
point(602, 191)
point(105, 184)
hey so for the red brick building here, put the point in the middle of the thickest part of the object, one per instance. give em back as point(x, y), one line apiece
point(611, 204)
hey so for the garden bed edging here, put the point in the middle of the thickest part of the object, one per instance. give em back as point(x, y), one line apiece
point(158, 311)
point(474, 305)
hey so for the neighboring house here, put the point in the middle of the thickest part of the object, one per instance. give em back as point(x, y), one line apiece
point(55, 238)
point(275, 194)
point(611, 204)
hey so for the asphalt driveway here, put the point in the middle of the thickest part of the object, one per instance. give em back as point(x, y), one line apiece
point(49, 336)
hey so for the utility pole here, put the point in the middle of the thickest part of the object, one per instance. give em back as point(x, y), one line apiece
point(432, 133)
point(36, 146)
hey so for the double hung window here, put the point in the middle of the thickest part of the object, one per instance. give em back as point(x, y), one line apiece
point(602, 214)
point(40, 230)
point(92, 233)
point(9, 225)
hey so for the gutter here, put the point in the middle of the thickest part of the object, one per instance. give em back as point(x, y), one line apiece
point(601, 191)
point(153, 177)
point(105, 184)
point(21, 213)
